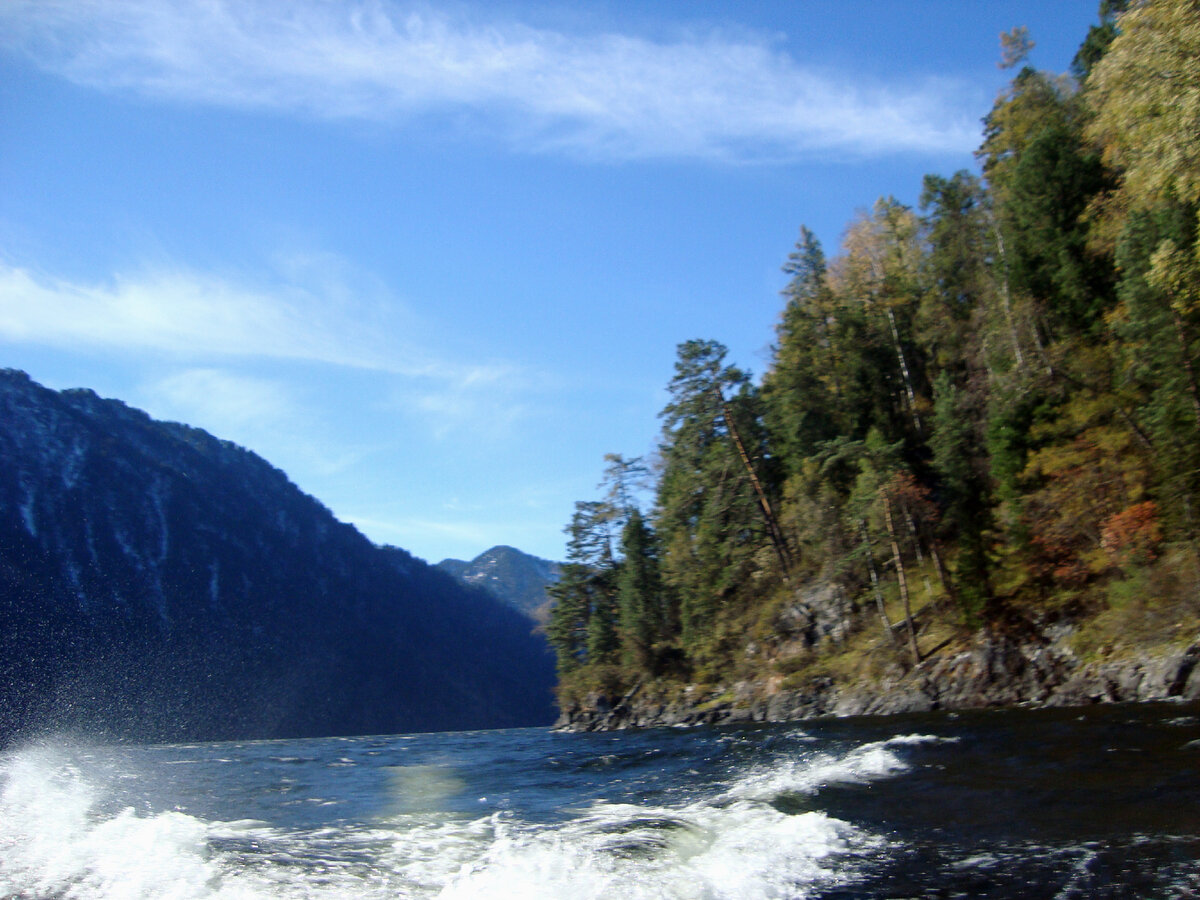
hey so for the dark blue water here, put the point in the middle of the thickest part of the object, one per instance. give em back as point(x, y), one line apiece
point(1102, 802)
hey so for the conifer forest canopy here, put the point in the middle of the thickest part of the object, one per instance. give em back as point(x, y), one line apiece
point(986, 406)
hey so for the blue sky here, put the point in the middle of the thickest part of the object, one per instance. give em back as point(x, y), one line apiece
point(433, 260)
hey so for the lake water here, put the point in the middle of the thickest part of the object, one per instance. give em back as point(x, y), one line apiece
point(1101, 802)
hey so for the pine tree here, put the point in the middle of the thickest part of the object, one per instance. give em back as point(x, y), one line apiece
point(583, 627)
point(956, 279)
point(803, 390)
point(646, 620)
point(879, 271)
point(710, 515)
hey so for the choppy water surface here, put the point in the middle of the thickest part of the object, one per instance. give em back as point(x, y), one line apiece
point(1101, 802)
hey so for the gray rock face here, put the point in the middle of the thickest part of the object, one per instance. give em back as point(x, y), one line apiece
point(820, 614)
point(996, 671)
point(1173, 675)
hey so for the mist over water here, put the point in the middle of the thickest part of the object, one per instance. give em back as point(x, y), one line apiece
point(1102, 802)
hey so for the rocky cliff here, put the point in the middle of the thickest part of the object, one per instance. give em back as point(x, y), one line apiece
point(827, 657)
point(991, 670)
point(159, 583)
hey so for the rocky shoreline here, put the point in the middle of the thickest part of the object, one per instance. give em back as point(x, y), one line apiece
point(994, 671)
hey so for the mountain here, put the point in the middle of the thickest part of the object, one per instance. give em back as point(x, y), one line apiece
point(157, 583)
point(517, 578)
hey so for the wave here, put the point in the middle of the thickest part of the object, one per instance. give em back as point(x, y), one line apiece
point(54, 842)
point(808, 774)
point(736, 850)
point(71, 827)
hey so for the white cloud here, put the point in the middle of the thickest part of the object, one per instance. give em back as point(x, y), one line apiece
point(198, 319)
point(184, 313)
point(264, 414)
point(218, 396)
point(471, 404)
point(606, 95)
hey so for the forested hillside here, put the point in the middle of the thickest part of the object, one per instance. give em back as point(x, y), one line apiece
point(157, 583)
point(981, 413)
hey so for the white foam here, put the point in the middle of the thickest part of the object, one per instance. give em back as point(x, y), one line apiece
point(704, 850)
point(52, 843)
point(62, 835)
point(905, 739)
point(809, 773)
point(735, 845)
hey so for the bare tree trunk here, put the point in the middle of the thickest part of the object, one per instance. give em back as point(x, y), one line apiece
point(916, 541)
point(934, 554)
point(887, 623)
point(908, 388)
point(1006, 297)
point(764, 503)
point(943, 575)
point(1037, 342)
point(900, 575)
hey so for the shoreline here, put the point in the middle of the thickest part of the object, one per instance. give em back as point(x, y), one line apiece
point(992, 671)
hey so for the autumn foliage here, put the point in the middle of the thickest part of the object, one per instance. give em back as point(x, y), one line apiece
point(989, 404)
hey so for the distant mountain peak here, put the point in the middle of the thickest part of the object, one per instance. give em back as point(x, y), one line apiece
point(518, 578)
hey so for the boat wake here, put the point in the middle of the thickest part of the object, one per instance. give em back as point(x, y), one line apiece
point(79, 823)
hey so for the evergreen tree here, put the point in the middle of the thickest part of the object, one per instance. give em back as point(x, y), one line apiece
point(960, 460)
point(646, 620)
point(1098, 40)
point(803, 393)
point(1002, 394)
point(957, 282)
point(709, 516)
point(879, 272)
point(1052, 183)
point(567, 629)
point(583, 625)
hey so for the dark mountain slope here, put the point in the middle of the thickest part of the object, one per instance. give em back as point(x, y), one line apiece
point(158, 583)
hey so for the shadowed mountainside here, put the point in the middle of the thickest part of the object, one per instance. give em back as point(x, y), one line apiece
point(157, 583)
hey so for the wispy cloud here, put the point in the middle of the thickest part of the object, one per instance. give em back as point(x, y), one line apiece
point(198, 319)
point(205, 396)
point(264, 413)
point(180, 312)
point(714, 96)
point(184, 313)
point(472, 402)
